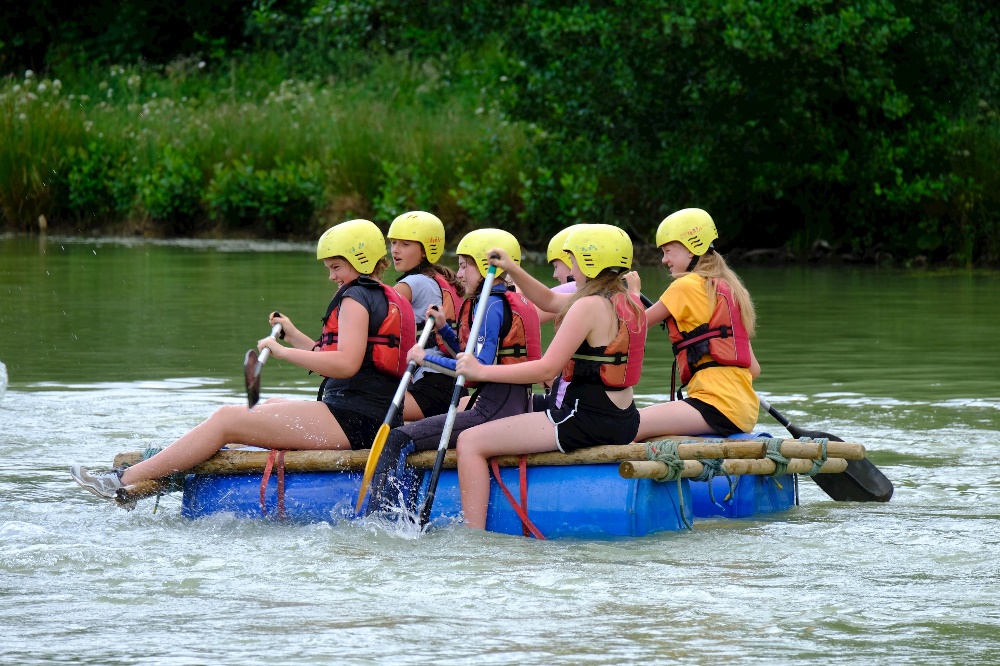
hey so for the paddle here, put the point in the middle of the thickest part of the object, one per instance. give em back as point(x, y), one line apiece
point(456, 396)
point(862, 481)
point(383, 431)
point(252, 365)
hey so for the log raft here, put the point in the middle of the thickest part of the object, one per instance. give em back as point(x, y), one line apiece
point(741, 457)
point(652, 469)
point(245, 461)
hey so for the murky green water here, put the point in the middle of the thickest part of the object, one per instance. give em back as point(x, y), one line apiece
point(114, 345)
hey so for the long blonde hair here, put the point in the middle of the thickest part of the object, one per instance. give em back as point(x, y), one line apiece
point(607, 283)
point(712, 266)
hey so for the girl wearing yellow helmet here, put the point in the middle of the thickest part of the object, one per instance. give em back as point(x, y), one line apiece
point(711, 319)
point(509, 336)
point(359, 356)
point(417, 243)
point(598, 350)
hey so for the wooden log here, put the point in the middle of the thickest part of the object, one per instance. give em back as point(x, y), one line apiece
point(142, 490)
point(245, 461)
point(654, 469)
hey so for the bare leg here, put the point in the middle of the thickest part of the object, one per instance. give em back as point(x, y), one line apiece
point(285, 424)
point(411, 410)
point(514, 435)
point(671, 418)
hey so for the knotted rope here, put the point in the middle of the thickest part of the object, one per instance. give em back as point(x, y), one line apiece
point(666, 453)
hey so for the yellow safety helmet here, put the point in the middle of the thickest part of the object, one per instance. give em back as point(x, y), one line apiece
point(692, 227)
point(478, 243)
point(422, 227)
point(555, 249)
point(599, 246)
point(358, 241)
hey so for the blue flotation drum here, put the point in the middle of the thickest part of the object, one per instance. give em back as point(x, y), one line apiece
point(562, 501)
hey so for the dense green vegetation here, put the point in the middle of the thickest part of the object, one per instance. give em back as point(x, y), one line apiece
point(871, 125)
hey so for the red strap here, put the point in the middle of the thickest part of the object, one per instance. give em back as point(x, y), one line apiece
point(520, 509)
point(264, 479)
point(281, 482)
point(281, 485)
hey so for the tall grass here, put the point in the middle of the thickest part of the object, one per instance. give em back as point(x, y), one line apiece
point(139, 147)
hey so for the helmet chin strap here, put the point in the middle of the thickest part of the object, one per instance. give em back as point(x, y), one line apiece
point(695, 258)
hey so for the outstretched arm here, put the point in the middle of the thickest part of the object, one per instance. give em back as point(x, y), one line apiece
point(536, 292)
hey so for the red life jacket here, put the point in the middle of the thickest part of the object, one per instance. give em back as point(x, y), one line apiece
point(449, 300)
point(387, 349)
point(619, 363)
point(723, 338)
point(520, 335)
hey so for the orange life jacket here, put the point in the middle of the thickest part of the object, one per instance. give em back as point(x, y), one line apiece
point(387, 349)
point(520, 336)
point(724, 338)
point(619, 363)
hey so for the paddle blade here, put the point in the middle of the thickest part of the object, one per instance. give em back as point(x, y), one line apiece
point(251, 374)
point(862, 481)
point(372, 463)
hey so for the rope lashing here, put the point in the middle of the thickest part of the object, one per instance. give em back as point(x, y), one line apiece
point(774, 454)
point(666, 453)
point(710, 468)
point(818, 462)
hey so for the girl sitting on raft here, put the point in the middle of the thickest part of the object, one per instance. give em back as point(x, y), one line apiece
point(509, 336)
point(710, 318)
point(367, 331)
point(416, 241)
point(598, 346)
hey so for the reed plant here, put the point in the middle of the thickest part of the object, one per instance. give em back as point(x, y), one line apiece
point(161, 148)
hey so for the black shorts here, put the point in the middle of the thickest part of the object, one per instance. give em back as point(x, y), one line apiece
point(360, 429)
point(433, 393)
point(715, 419)
point(589, 418)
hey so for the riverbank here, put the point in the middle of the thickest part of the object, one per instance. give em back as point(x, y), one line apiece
point(191, 151)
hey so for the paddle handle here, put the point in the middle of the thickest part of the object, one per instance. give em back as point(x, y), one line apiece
point(449, 422)
point(275, 330)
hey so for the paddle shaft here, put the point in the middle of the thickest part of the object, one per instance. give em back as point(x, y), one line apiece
point(411, 367)
point(456, 396)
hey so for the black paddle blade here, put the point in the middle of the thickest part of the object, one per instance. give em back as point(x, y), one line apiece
point(862, 481)
point(251, 373)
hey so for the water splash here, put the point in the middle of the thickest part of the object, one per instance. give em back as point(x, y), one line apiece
point(3, 379)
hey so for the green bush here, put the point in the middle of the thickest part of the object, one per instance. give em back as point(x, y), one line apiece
point(98, 185)
point(171, 192)
point(283, 200)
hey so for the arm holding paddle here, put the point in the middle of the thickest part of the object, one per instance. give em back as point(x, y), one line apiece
point(536, 292)
point(342, 363)
point(574, 330)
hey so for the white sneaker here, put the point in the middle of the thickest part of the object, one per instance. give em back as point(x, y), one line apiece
point(102, 484)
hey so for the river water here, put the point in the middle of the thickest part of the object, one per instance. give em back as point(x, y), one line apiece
point(114, 344)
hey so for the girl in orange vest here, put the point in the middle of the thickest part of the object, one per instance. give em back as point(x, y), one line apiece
point(361, 365)
point(416, 242)
point(509, 335)
point(711, 319)
point(598, 347)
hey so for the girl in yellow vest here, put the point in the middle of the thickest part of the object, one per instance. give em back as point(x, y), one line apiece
point(598, 349)
point(711, 319)
point(361, 371)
